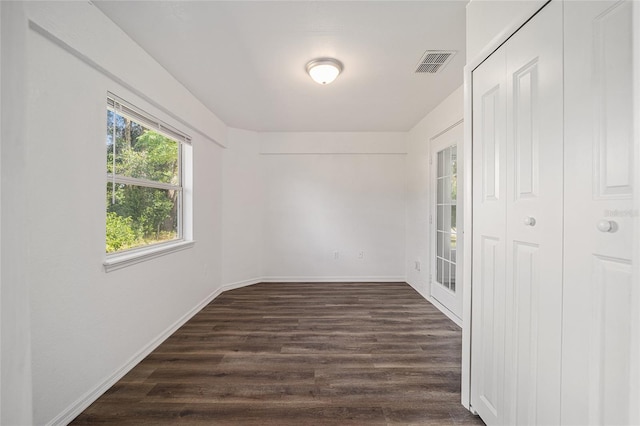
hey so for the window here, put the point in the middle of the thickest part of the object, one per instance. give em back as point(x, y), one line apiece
point(144, 193)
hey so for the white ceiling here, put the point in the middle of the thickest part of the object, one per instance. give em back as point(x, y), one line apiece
point(246, 60)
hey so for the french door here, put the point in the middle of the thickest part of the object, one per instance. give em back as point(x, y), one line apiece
point(446, 288)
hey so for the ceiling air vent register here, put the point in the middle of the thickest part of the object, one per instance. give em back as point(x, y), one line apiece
point(434, 60)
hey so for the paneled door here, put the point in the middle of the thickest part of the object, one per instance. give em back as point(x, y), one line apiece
point(517, 226)
point(598, 213)
point(488, 274)
point(445, 287)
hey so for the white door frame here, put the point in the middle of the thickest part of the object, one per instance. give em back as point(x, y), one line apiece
point(434, 219)
point(634, 394)
point(465, 178)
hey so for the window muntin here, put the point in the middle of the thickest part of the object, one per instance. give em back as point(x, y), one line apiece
point(144, 179)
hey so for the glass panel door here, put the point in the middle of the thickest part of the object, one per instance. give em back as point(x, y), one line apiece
point(446, 206)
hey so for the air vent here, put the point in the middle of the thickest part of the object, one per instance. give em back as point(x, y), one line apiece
point(434, 60)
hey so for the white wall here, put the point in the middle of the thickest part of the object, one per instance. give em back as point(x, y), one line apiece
point(63, 318)
point(242, 209)
point(1, 55)
point(333, 192)
point(488, 20)
point(15, 383)
point(419, 191)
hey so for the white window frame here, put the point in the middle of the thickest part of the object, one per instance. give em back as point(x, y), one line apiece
point(124, 258)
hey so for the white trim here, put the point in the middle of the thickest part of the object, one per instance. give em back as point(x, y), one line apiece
point(468, 199)
point(442, 132)
point(331, 153)
point(1, 289)
point(132, 257)
point(240, 284)
point(446, 311)
point(82, 403)
point(343, 279)
point(439, 306)
point(143, 182)
point(434, 148)
point(90, 62)
point(634, 374)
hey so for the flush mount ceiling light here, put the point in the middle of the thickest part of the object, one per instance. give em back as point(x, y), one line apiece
point(324, 70)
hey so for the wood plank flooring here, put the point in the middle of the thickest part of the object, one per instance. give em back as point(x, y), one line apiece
point(299, 354)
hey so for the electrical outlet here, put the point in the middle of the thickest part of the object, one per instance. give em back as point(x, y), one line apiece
point(361, 254)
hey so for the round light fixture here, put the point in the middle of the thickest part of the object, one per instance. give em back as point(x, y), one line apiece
point(324, 70)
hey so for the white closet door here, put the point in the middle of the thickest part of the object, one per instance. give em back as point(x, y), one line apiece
point(489, 236)
point(517, 226)
point(598, 213)
point(534, 190)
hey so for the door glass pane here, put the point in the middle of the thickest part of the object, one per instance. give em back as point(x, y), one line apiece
point(447, 162)
point(440, 163)
point(447, 245)
point(440, 221)
point(453, 241)
point(454, 228)
point(446, 198)
point(452, 279)
point(453, 188)
point(446, 218)
point(445, 275)
point(440, 243)
point(440, 191)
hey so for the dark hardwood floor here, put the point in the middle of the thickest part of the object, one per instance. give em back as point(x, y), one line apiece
point(299, 354)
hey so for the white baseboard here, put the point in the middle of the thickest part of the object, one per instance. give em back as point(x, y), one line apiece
point(240, 284)
point(439, 306)
point(446, 311)
point(344, 279)
point(81, 404)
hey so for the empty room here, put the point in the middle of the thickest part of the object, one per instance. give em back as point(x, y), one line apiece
point(320, 212)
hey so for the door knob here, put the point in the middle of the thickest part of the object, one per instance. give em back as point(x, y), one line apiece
point(606, 226)
point(530, 221)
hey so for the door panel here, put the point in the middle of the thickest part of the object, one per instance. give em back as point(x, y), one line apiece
point(612, 80)
point(492, 326)
point(610, 327)
point(534, 205)
point(490, 145)
point(525, 122)
point(526, 275)
point(598, 187)
point(489, 234)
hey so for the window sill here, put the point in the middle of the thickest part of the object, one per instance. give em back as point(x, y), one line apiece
point(122, 260)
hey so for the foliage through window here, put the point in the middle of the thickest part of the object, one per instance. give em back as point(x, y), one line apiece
point(144, 179)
